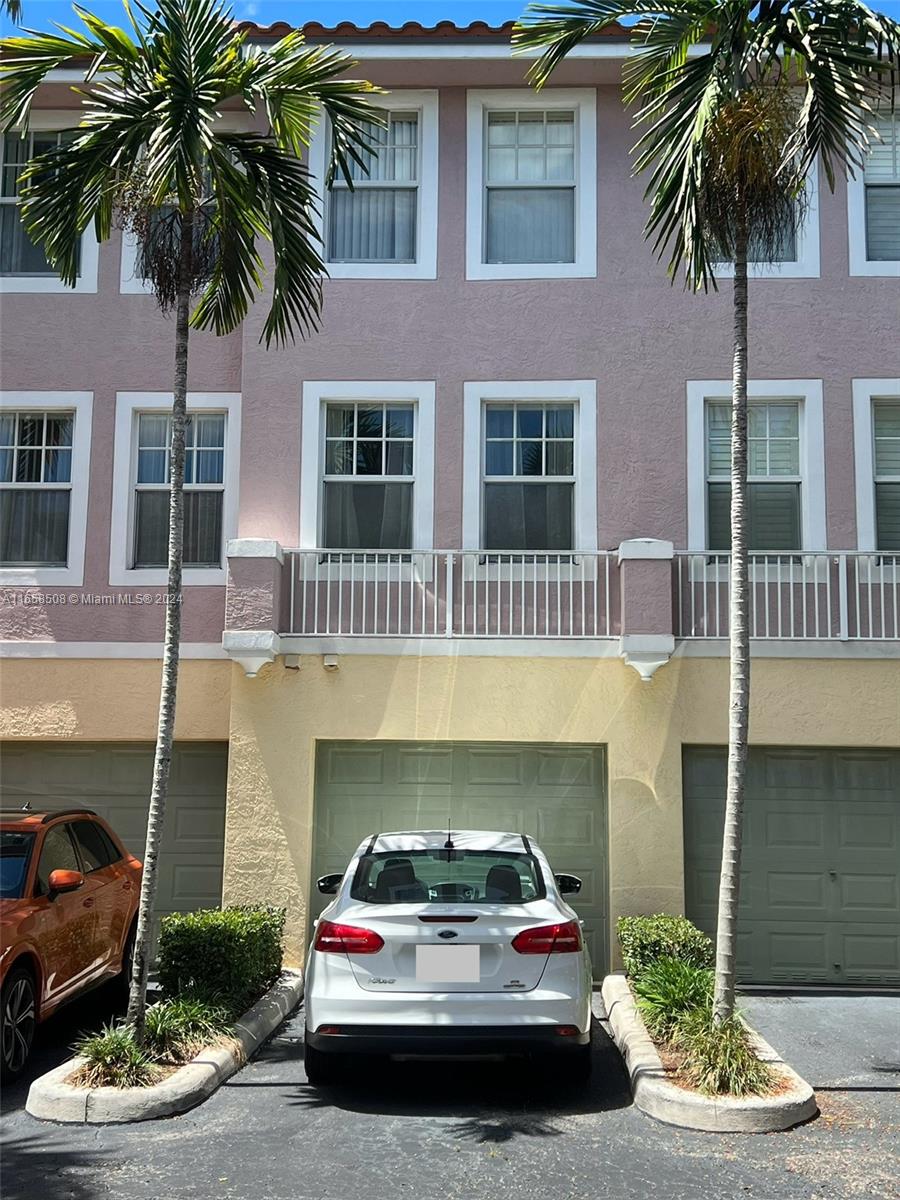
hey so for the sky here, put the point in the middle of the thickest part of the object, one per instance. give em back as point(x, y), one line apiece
point(40, 14)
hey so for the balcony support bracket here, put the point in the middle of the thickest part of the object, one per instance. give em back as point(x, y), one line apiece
point(251, 648)
point(646, 652)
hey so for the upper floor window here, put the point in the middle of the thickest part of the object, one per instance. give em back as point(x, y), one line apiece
point(35, 488)
point(204, 487)
point(529, 179)
point(369, 481)
point(796, 256)
point(385, 225)
point(139, 531)
point(529, 476)
point(882, 184)
point(886, 431)
point(376, 221)
point(773, 470)
point(873, 204)
point(23, 264)
point(531, 205)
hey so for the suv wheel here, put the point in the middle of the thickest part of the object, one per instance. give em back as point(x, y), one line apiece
point(18, 1014)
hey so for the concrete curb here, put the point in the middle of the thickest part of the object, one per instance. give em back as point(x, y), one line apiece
point(50, 1098)
point(656, 1096)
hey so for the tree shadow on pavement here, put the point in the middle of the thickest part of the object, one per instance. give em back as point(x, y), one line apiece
point(39, 1166)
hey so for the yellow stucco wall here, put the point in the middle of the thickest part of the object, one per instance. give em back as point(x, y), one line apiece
point(110, 699)
point(277, 718)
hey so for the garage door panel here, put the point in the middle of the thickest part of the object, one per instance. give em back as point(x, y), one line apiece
point(820, 880)
point(555, 794)
point(114, 780)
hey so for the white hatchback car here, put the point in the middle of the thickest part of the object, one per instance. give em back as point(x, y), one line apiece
point(447, 943)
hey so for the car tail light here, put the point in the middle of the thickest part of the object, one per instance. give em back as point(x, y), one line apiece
point(332, 938)
point(564, 938)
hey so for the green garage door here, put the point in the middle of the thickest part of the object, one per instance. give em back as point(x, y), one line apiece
point(114, 780)
point(820, 879)
point(555, 794)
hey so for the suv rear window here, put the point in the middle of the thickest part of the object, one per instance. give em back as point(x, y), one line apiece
point(448, 876)
point(97, 850)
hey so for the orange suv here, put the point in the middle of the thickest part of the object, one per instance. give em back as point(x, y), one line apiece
point(69, 895)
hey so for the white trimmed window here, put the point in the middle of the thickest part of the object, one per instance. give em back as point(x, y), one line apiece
point(531, 209)
point(532, 447)
point(368, 485)
point(798, 255)
point(385, 225)
point(140, 526)
point(786, 468)
point(367, 466)
point(44, 452)
point(773, 470)
point(23, 264)
point(886, 438)
point(873, 204)
point(528, 480)
point(204, 489)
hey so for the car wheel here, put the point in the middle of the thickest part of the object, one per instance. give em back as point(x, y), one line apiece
point(18, 1016)
point(321, 1069)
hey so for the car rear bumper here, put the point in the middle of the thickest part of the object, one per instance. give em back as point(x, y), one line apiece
point(449, 1040)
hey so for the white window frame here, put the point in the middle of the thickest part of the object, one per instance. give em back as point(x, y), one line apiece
point(121, 535)
point(130, 283)
point(425, 103)
point(866, 392)
point(583, 101)
point(317, 394)
point(580, 392)
point(860, 263)
point(808, 394)
point(48, 121)
point(80, 404)
point(807, 263)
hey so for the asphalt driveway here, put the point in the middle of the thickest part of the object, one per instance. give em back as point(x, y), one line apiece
point(492, 1131)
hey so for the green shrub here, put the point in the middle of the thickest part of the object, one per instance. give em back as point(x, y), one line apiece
point(645, 939)
point(667, 990)
point(114, 1059)
point(719, 1059)
point(179, 1029)
point(228, 956)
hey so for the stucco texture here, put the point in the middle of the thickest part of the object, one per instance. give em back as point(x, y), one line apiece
point(110, 699)
point(277, 718)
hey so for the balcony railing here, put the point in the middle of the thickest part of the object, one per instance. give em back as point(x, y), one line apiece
point(450, 594)
point(837, 596)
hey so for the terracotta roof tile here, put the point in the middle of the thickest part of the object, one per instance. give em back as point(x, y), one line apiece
point(411, 30)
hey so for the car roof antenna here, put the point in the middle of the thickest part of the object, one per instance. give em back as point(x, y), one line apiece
point(448, 845)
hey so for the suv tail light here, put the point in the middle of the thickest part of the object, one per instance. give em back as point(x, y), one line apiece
point(332, 938)
point(564, 938)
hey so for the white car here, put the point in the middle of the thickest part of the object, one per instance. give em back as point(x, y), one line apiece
point(447, 943)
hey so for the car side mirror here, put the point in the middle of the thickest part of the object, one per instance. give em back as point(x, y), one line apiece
point(569, 885)
point(64, 881)
point(329, 884)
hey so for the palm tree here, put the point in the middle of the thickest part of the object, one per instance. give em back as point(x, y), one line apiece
point(151, 153)
point(12, 8)
point(739, 100)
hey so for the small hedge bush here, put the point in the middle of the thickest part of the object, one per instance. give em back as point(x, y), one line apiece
point(646, 939)
point(176, 1030)
point(227, 957)
point(114, 1059)
point(667, 990)
point(719, 1059)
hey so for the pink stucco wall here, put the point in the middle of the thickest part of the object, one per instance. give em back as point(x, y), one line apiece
point(629, 329)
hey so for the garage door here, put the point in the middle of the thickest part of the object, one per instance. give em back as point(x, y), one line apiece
point(554, 794)
point(114, 780)
point(820, 880)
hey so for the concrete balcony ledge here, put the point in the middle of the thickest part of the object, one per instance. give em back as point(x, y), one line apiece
point(255, 548)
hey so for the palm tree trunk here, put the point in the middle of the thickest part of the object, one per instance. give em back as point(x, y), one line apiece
point(739, 672)
point(162, 761)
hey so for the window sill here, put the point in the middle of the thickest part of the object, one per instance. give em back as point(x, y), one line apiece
point(45, 285)
point(416, 270)
point(886, 268)
point(41, 577)
point(576, 270)
point(796, 269)
point(159, 577)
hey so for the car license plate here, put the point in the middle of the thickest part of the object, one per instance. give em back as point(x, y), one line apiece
point(448, 964)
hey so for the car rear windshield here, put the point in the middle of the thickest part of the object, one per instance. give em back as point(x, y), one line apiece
point(448, 876)
point(15, 850)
